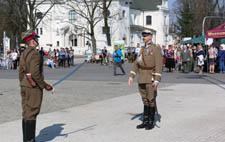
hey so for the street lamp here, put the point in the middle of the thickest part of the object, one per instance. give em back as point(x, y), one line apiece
point(211, 17)
point(203, 26)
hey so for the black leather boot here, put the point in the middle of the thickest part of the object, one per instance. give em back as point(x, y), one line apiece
point(24, 132)
point(151, 117)
point(145, 119)
point(30, 127)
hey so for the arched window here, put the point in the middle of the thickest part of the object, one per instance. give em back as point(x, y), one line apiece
point(148, 20)
point(123, 13)
point(72, 16)
point(73, 40)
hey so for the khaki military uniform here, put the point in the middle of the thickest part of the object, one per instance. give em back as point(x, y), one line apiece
point(148, 66)
point(31, 96)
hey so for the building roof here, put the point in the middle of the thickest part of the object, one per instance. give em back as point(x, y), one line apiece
point(145, 5)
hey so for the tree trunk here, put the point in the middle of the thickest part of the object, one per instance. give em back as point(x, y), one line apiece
point(13, 42)
point(107, 30)
point(93, 40)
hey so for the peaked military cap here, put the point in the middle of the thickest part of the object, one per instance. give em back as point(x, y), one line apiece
point(28, 35)
point(146, 33)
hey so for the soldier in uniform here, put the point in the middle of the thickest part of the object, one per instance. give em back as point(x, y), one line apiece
point(32, 84)
point(148, 66)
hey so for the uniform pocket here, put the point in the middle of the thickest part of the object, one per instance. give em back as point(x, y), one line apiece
point(34, 97)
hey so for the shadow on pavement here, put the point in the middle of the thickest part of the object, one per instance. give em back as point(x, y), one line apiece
point(51, 132)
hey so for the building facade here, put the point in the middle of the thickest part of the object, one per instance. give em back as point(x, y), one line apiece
point(128, 18)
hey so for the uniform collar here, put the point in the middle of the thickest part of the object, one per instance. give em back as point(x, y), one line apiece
point(148, 45)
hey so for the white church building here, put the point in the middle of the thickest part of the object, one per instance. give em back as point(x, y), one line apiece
point(128, 18)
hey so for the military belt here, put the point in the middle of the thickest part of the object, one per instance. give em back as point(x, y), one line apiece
point(147, 68)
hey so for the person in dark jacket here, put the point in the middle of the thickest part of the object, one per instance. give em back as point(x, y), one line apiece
point(185, 58)
point(222, 59)
point(200, 56)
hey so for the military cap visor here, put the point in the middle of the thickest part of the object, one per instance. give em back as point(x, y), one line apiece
point(28, 35)
point(144, 34)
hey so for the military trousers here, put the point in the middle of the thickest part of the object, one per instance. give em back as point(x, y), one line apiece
point(147, 94)
point(31, 102)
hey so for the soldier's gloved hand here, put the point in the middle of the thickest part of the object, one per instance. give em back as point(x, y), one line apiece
point(130, 81)
point(155, 85)
point(48, 87)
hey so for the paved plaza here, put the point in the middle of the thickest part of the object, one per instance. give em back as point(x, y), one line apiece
point(94, 106)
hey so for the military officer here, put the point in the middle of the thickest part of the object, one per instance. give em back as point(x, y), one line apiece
point(148, 66)
point(32, 84)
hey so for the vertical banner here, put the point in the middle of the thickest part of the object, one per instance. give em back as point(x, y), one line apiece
point(4, 45)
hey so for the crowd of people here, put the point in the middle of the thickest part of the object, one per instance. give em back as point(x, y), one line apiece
point(187, 58)
point(103, 57)
point(194, 58)
point(183, 58)
point(11, 61)
point(63, 57)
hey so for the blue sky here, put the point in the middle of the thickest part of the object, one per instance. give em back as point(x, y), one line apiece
point(171, 3)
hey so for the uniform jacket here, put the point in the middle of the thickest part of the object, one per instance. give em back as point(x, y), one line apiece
point(34, 63)
point(150, 57)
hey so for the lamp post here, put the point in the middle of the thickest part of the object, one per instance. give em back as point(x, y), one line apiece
point(203, 27)
point(209, 17)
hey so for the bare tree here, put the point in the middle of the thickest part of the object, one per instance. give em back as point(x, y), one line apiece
point(26, 11)
point(4, 21)
point(23, 14)
point(90, 15)
point(106, 13)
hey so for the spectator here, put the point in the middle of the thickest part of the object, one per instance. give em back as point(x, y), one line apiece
point(170, 63)
point(212, 57)
point(222, 59)
point(105, 56)
point(130, 56)
point(67, 57)
point(101, 57)
point(14, 59)
point(8, 60)
point(71, 55)
point(200, 58)
point(18, 51)
point(50, 53)
point(42, 52)
point(56, 57)
point(50, 63)
point(178, 59)
point(164, 50)
point(62, 57)
point(185, 58)
point(89, 59)
point(137, 50)
point(191, 62)
point(194, 59)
